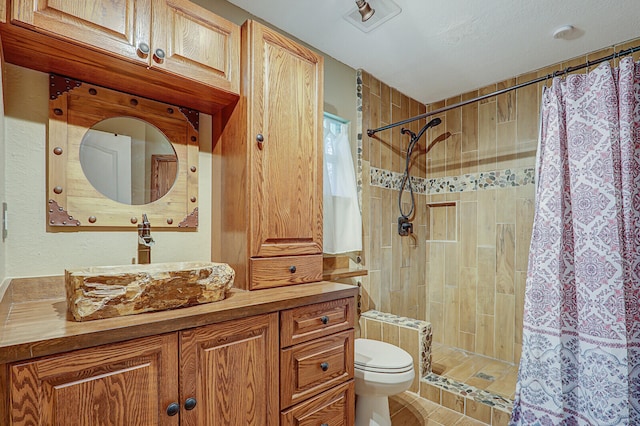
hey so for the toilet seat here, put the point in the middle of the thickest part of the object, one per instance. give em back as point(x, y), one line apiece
point(380, 357)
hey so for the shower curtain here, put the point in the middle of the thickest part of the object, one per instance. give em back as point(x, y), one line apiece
point(580, 361)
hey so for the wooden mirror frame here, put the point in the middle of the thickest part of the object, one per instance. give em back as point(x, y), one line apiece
point(72, 202)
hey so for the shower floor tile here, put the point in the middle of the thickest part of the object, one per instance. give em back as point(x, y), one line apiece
point(481, 372)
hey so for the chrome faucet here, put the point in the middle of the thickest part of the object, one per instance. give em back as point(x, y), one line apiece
point(145, 240)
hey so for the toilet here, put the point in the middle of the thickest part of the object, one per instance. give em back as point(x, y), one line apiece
point(381, 370)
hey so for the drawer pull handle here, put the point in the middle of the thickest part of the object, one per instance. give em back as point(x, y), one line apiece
point(324, 366)
point(190, 403)
point(325, 319)
point(292, 269)
point(158, 56)
point(173, 409)
point(260, 140)
point(324, 424)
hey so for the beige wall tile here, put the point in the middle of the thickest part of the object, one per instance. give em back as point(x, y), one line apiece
point(373, 329)
point(468, 291)
point(452, 223)
point(389, 217)
point(409, 341)
point(468, 233)
point(504, 329)
point(374, 122)
point(486, 281)
point(485, 336)
point(524, 228)
point(506, 146)
point(453, 401)
point(436, 318)
point(506, 205)
point(487, 137)
point(390, 333)
point(451, 274)
point(486, 217)
point(436, 272)
point(500, 418)
point(521, 279)
point(430, 392)
point(478, 411)
point(469, 127)
point(451, 316)
point(453, 146)
point(505, 258)
point(506, 102)
point(467, 341)
point(527, 110)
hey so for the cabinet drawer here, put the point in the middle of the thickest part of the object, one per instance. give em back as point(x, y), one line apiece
point(310, 322)
point(267, 272)
point(334, 407)
point(313, 367)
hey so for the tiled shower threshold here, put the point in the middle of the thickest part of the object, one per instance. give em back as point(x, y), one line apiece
point(477, 403)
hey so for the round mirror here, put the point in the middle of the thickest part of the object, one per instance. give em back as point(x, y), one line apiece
point(128, 160)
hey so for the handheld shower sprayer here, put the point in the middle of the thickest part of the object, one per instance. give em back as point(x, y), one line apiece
point(405, 227)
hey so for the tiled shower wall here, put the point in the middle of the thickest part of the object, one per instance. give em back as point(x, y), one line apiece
point(464, 268)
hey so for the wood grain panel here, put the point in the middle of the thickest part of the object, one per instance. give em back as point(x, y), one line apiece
point(130, 383)
point(232, 371)
point(109, 26)
point(335, 407)
point(306, 323)
point(286, 177)
point(286, 270)
point(301, 372)
point(39, 326)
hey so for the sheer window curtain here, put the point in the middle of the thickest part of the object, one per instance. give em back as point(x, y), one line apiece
point(580, 361)
point(342, 227)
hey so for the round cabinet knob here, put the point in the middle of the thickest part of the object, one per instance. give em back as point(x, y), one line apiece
point(324, 366)
point(173, 409)
point(260, 140)
point(292, 269)
point(190, 403)
point(324, 319)
point(143, 50)
point(158, 56)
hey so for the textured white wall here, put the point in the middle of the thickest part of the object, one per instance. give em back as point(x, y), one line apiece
point(3, 156)
point(29, 250)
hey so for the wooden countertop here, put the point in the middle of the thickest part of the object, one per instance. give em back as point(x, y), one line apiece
point(34, 320)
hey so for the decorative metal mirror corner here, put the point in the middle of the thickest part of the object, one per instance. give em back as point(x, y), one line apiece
point(112, 157)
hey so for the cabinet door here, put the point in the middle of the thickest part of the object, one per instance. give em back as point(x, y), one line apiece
point(196, 44)
point(286, 166)
point(231, 369)
point(129, 383)
point(117, 27)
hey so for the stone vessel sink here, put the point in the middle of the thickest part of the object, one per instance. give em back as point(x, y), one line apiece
point(110, 291)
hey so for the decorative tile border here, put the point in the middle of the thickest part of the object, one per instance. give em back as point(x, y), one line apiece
point(470, 392)
point(470, 182)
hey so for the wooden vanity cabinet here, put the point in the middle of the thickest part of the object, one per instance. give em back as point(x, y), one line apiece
point(317, 364)
point(220, 374)
point(272, 164)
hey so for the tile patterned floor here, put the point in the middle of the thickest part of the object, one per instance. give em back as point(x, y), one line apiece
point(484, 373)
point(408, 409)
point(467, 384)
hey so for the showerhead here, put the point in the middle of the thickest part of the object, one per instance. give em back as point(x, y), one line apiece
point(436, 121)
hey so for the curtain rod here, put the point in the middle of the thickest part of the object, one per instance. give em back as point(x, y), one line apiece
point(371, 132)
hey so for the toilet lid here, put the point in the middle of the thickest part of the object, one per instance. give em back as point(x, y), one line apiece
point(373, 355)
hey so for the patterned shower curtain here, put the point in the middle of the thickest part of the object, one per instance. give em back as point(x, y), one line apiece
point(580, 360)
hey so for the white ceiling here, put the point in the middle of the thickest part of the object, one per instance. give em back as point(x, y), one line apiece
point(437, 49)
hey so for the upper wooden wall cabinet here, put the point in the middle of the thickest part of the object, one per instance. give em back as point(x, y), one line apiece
point(272, 164)
point(169, 50)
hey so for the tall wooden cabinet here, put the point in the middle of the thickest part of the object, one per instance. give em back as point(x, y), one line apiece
point(221, 374)
point(272, 159)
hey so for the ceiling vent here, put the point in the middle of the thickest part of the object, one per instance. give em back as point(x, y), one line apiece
point(384, 10)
